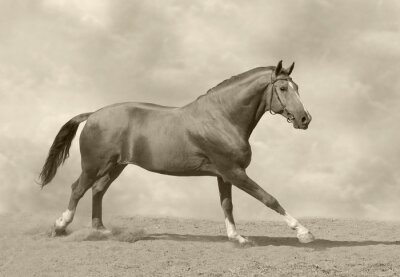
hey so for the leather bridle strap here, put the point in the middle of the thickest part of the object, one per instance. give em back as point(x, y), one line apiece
point(273, 90)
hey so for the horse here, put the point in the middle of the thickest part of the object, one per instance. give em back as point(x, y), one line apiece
point(207, 137)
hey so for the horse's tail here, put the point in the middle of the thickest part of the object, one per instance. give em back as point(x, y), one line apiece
point(59, 150)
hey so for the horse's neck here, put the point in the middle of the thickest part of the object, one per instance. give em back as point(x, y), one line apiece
point(244, 105)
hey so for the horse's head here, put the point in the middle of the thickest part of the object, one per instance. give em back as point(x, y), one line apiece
point(284, 98)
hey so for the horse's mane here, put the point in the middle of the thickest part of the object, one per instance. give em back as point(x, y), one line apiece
point(239, 77)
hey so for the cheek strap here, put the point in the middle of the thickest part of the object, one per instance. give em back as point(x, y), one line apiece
point(290, 117)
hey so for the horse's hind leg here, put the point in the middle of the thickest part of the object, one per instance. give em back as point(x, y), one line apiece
point(79, 187)
point(225, 196)
point(98, 191)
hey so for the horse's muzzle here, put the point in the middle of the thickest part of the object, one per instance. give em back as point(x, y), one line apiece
point(303, 121)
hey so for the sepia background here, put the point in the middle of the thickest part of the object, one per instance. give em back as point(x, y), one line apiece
point(59, 58)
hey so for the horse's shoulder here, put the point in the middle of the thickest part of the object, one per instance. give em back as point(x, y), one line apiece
point(220, 140)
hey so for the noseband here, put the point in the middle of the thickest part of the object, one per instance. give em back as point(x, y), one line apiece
point(290, 117)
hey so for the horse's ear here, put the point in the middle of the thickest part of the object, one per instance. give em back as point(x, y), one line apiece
point(278, 68)
point(290, 69)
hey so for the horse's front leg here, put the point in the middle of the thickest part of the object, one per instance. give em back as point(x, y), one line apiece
point(225, 196)
point(239, 178)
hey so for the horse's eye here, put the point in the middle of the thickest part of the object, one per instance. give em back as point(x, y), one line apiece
point(283, 88)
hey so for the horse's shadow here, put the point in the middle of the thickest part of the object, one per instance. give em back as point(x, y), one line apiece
point(269, 241)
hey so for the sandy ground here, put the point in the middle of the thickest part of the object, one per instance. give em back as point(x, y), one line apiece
point(141, 246)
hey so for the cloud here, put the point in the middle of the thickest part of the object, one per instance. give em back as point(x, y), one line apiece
point(62, 58)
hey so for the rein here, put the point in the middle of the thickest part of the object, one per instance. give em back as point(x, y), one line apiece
point(290, 117)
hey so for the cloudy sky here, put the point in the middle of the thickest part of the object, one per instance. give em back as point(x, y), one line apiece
point(59, 58)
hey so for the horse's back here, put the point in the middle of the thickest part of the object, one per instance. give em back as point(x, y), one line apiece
point(114, 121)
point(125, 113)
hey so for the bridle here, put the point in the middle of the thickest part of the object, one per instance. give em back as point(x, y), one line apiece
point(290, 117)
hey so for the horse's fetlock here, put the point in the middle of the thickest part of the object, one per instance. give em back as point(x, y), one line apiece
point(97, 223)
point(272, 203)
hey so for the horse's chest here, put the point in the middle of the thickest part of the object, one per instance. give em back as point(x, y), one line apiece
point(228, 150)
point(242, 156)
point(223, 144)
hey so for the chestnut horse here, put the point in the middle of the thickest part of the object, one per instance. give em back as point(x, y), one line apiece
point(209, 136)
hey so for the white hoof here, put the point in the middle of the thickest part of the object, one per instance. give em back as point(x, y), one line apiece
point(239, 239)
point(60, 223)
point(306, 237)
point(59, 227)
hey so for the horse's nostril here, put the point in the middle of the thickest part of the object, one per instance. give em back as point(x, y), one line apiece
point(303, 119)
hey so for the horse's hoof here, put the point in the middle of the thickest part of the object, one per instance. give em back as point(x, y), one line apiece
point(306, 237)
point(104, 231)
point(241, 240)
point(57, 232)
point(101, 229)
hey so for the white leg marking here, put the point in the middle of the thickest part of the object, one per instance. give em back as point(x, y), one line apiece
point(291, 221)
point(232, 233)
point(65, 219)
point(302, 232)
point(230, 228)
